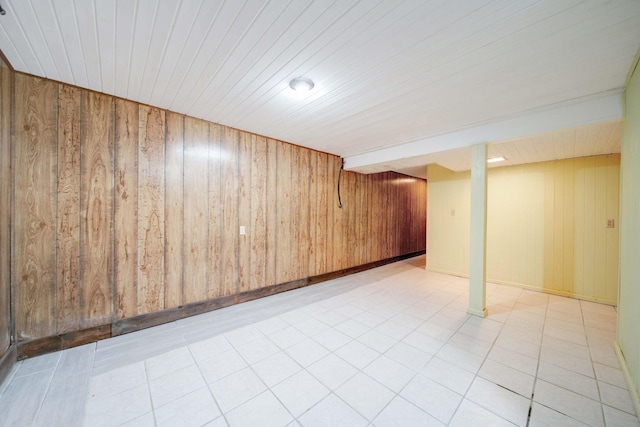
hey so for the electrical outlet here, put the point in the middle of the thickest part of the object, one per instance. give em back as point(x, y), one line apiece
point(243, 230)
point(611, 223)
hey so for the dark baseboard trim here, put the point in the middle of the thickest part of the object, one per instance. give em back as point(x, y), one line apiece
point(63, 341)
point(7, 361)
point(131, 324)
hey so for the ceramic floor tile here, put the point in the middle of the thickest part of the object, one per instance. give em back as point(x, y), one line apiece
point(435, 331)
point(502, 402)
point(607, 374)
point(119, 408)
point(263, 410)
point(332, 339)
point(390, 373)
point(222, 365)
point(307, 352)
point(286, 337)
point(234, 390)
point(332, 411)
point(507, 377)
point(117, 380)
point(365, 395)
point(332, 371)
point(567, 361)
point(522, 363)
point(617, 418)
point(393, 329)
point(270, 326)
point(377, 340)
point(570, 380)
point(174, 385)
point(438, 401)
point(166, 363)
point(244, 335)
point(409, 356)
point(423, 342)
point(218, 422)
point(616, 397)
point(569, 403)
point(210, 347)
point(541, 416)
point(194, 409)
point(471, 344)
point(311, 327)
point(300, 392)
point(352, 328)
point(146, 420)
point(448, 375)
point(400, 413)
point(257, 350)
point(358, 354)
point(470, 414)
point(461, 358)
point(276, 368)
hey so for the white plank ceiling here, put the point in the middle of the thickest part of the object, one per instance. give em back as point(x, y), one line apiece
point(387, 72)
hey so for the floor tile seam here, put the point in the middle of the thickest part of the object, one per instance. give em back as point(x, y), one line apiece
point(47, 390)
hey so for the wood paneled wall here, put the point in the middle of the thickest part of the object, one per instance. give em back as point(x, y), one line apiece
point(6, 85)
point(123, 209)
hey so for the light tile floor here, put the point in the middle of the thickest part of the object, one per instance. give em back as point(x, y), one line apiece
point(391, 346)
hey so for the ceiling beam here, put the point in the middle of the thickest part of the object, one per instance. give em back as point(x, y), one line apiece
point(593, 109)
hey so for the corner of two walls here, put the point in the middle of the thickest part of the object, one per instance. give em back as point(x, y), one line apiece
point(546, 226)
point(123, 209)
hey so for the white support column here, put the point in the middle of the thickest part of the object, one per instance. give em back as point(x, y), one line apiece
point(478, 232)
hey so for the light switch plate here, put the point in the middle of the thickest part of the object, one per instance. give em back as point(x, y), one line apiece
point(243, 230)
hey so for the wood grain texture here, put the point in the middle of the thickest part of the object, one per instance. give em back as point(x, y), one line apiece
point(244, 173)
point(196, 212)
point(214, 262)
point(129, 210)
point(6, 85)
point(283, 242)
point(229, 196)
point(68, 235)
point(151, 167)
point(173, 209)
point(258, 229)
point(126, 208)
point(271, 211)
point(96, 216)
point(35, 207)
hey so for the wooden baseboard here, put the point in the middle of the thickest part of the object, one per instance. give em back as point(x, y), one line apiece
point(50, 344)
point(633, 391)
point(7, 361)
point(63, 341)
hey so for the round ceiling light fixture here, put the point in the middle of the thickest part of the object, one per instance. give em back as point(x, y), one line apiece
point(301, 85)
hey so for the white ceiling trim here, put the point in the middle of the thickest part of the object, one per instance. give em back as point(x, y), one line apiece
point(605, 107)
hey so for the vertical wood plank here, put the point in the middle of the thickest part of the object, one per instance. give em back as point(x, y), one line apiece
point(196, 214)
point(215, 288)
point(68, 277)
point(259, 184)
point(322, 201)
point(271, 211)
point(303, 207)
point(151, 137)
point(126, 208)
point(97, 210)
point(283, 251)
point(313, 213)
point(35, 205)
point(244, 172)
point(6, 86)
point(332, 201)
point(230, 225)
point(173, 209)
